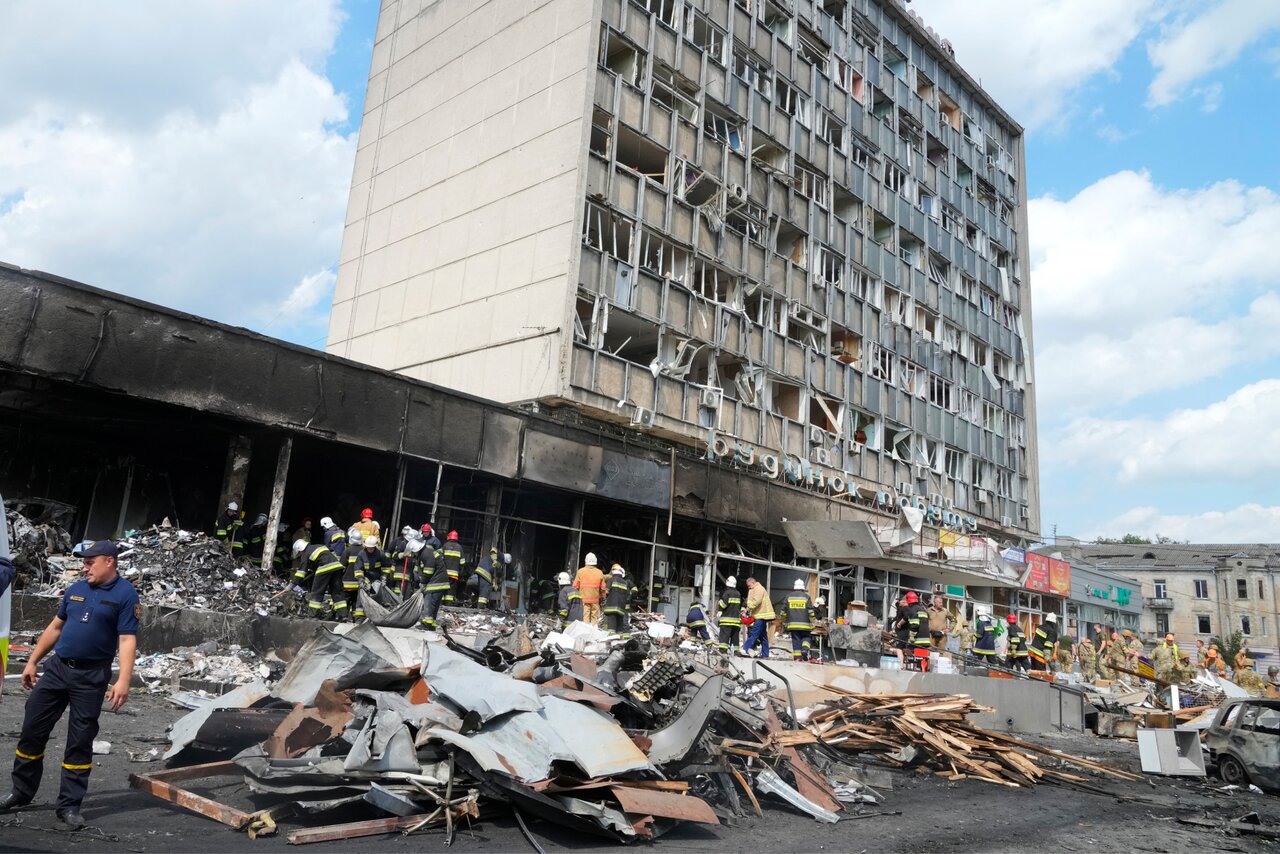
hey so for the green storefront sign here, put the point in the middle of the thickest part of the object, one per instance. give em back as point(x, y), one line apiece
point(957, 592)
point(1120, 595)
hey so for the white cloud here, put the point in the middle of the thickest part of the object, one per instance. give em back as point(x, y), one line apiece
point(1032, 54)
point(1196, 45)
point(1138, 288)
point(1248, 523)
point(197, 165)
point(1231, 440)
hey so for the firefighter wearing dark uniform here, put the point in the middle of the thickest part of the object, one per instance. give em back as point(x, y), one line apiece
point(451, 556)
point(333, 537)
point(547, 594)
point(729, 614)
point(1017, 651)
point(984, 636)
point(485, 570)
point(917, 617)
point(696, 620)
point(353, 578)
point(1042, 642)
point(797, 618)
point(400, 562)
point(371, 564)
point(227, 528)
point(98, 615)
point(280, 560)
point(257, 534)
point(569, 603)
point(436, 587)
point(616, 599)
point(316, 562)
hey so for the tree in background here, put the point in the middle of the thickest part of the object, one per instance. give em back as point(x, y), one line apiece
point(1229, 647)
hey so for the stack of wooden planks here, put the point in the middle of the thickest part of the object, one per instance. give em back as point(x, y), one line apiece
point(936, 726)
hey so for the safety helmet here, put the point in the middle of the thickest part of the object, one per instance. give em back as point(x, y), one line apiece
point(821, 600)
point(731, 582)
point(453, 536)
point(799, 584)
point(282, 527)
point(1169, 636)
point(414, 546)
point(326, 522)
point(261, 519)
point(370, 540)
point(1012, 618)
point(299, 546)
point(563, 578)
point(426, 529)
point(406, 531)
point(981, 608)
point(366, 513)
point(354, 534)
point(617, 569)
point(590, 559)
point(506, 557)
point(911, 597)
point(493, 550)
point(232, 506)
point(1051, 618)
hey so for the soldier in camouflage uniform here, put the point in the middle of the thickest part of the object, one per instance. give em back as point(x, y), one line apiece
point(1088, 659)
point(964, 634)
point(1065, 654)
point(1117, 656)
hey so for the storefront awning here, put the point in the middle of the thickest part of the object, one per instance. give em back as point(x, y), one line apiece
point(856, 542)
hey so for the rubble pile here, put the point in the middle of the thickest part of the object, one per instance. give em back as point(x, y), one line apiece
point(623, 737)
point(34, 539)
point(207, 662)
point(169, 567)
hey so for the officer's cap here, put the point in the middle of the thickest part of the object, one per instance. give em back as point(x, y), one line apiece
point(99, 548)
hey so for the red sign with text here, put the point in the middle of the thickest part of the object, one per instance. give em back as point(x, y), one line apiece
point(1059, 577)
point(1038, 574)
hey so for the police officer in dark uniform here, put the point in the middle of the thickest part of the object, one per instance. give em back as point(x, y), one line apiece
point(97, 615)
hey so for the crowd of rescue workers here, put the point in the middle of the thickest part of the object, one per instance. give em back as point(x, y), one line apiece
point(331, 567)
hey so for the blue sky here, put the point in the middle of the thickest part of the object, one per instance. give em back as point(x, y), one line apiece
point(219, 186)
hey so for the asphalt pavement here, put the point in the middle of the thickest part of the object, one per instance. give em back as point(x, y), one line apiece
point(923, 813)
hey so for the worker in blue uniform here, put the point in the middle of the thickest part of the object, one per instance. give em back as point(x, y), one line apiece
point(97, 617)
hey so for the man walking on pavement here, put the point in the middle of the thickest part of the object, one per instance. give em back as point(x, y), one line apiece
point(97, 617)
point(761, 611)
point(590, 583)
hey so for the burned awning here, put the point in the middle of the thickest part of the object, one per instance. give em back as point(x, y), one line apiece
point(857, 542)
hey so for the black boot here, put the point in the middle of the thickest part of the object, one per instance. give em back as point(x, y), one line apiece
point(13, 801)
point(69, 818)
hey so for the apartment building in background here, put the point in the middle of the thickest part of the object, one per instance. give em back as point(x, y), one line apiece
point(789, 235)
point(1199, 591)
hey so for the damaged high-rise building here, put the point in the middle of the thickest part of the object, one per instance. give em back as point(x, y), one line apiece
point(788, 234)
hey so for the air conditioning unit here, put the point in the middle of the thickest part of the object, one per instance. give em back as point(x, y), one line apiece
point(642, 417)
point(711, 398)
point(948, 504)
point(935, 499)
point(817, 436)
point(980, 496)
point(906, 488)
point(1005, 521)
point(991, 162)
point(1025, 512)
point(821, 456)
point(737, 195)
point(920, 471)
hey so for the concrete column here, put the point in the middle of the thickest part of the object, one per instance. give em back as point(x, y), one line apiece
point(236, 475)
point(709, 570)
point(574, 558)
point(124, 501)
point(489, 532)
point(396, 500)
point(277, 503)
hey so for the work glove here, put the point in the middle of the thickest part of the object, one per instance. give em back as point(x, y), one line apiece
point(297, 589)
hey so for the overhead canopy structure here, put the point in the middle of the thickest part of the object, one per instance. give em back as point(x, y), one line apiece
point(975, 561)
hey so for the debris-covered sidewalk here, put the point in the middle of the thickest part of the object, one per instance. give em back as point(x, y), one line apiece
point(381, 730)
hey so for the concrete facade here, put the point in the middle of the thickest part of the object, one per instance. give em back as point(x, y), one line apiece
point(795, 227)
point(454, 263)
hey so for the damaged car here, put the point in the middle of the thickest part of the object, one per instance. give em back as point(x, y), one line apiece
point(1244, 742)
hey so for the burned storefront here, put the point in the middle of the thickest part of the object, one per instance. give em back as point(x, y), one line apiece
point(119, 414)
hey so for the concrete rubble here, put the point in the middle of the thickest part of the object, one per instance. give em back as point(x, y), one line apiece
point(620, 737)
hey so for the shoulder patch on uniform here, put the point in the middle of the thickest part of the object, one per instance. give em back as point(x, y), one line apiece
point(76, 598)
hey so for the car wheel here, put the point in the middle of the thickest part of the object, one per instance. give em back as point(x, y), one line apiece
point(1232, 771)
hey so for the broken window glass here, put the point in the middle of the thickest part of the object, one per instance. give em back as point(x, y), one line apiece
point(722, 128)
point(785, 399)
point(752, 70)
point(608, 232)
point(663, 257)
point(601, 132)
point(663, 10)
point(699, 30)
point(621, 57)
point(846, 346)
point(791, 100)
point(829, 268)
point(810, 184)
point(865, 430)
point(940, 392)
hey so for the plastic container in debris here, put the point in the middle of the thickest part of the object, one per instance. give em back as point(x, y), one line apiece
point(890, 662)
point(940, 664)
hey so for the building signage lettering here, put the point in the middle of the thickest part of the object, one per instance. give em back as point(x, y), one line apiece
point(1119, 594)
point(792, 469)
